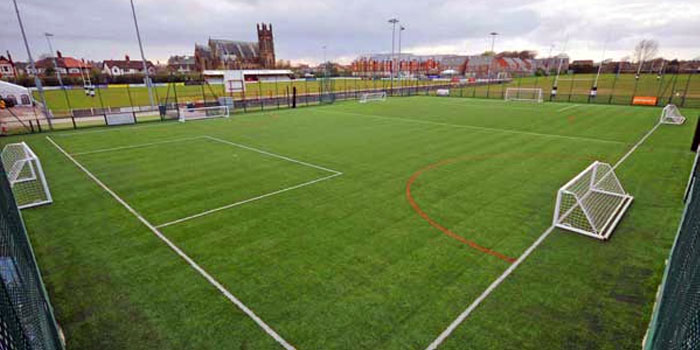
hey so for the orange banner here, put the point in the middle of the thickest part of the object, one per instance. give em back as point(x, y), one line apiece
point(644, 100)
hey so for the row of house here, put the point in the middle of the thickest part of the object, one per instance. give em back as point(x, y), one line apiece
point(69, 66)
point(476, 66)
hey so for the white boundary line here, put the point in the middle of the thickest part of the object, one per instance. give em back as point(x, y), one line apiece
point(211, 211)
point(136, 146)
point(567, 107)
point(179, 252)
point(481, 128)
point(446, 333)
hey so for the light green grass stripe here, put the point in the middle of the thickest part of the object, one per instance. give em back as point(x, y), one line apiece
point(472, 127)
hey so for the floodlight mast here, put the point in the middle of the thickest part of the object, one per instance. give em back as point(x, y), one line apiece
point(393, 22)
point(37, 81)
point(401, 29)
point(143, 57)
point(488, 68)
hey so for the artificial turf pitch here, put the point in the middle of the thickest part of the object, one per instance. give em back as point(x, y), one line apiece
point(357, 259)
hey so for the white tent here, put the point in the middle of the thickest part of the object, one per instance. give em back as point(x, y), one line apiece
point(20, 94)
point(449, 72)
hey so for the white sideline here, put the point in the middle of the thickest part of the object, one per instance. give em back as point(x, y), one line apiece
point(446, 333)
point(136, 146)
point(482, 128)
point(567, 107)
point(228, 206)
point(179, 252)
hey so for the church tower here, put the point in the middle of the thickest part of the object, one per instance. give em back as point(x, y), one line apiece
point(266, 46)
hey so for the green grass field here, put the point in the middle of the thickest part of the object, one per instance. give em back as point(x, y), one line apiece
point(320, 231)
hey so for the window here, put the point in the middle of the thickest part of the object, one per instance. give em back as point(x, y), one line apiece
point(25, 100)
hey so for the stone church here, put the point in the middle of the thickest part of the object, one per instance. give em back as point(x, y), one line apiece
point(230, 54)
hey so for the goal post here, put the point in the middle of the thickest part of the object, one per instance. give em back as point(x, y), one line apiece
point(372, 96)
point(524, 94)
point(198, 113)
point(592, 203)
point(25, 175)
point(671, 115)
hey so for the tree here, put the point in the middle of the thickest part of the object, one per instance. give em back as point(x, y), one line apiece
point(488, 54)
point(645, 50)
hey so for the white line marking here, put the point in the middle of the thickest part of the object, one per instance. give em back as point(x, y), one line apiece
point(273, 155)
point(446, 333)
point(481, 128)
point(179, 252)
point(102, 129)
point(136, 146)
point(211, 211)
point(567, 107)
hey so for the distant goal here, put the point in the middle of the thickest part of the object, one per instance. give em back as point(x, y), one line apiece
point(524, 94)
point(672, 115)
point(372, 97)
point(25, 175)
point(198, 113)
point(592, 203)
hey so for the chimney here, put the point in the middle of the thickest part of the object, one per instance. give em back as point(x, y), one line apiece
point(9, 57)
point(58, 54)
point(126, 57)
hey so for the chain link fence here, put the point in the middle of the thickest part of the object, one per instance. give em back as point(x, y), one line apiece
point(675, 323)
point(26, 316)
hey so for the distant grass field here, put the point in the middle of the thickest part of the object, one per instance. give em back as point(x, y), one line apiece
point(335, 253)
point(572, 88)
point(120, 96)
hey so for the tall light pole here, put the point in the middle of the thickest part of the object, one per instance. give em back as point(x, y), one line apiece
point(37, 81)
point(488, 70)
point(325, 62)
point(58, 73)
point(143, 57)
point(53, 58)
point(393, 22)
point(401, 29)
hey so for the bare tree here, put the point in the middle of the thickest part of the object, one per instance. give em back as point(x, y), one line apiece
point(645, 50)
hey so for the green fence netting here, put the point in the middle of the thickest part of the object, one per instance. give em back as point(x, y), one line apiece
point(675, 323)
point(26, 316)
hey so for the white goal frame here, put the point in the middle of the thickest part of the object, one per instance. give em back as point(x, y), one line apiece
point(514, 94)
point(592, 203)
point(671, 115)
point(25, 175)
point(198, 113)
point(372, 96)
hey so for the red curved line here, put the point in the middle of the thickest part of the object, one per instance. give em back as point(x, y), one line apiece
point(444, 229)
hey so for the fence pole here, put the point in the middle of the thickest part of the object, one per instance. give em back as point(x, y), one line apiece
point(260, 100)
point(102, 105)
point(131, 102)
point(612, 89)
point(687, 86)
point(636, 83)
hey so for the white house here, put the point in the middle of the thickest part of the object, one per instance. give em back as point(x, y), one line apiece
point(126, 67)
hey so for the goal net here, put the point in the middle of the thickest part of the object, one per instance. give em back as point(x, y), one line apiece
point(373, 96)
point(592, 203)
point(671, 115)
point(26, 177)
point(523, 94)
point(196, 113)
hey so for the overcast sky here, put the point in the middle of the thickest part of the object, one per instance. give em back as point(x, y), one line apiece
point(103, 29)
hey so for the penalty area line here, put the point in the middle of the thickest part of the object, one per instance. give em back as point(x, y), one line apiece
point(271, 332)
point(451, 328)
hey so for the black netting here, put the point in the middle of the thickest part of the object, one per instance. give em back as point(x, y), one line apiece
point(675, 323)
point(26, 317)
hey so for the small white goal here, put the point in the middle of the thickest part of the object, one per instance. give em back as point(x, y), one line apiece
point(672, 115)
point(25, 175)
point(372, 96)
point(524, 94)
point(592, 203)
point(196, 113)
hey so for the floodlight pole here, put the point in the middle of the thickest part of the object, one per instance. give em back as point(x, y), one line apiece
point(401, 29)
point(393, 22)
point(325, 62)
point(493, 58)
point(58, 74)
point(143, 57)
point(37, 81)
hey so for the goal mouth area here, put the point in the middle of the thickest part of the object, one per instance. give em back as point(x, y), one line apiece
point(200, 113)
point(671, 115)
point(372, 97)
point(533, 95)
point(592, 203)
